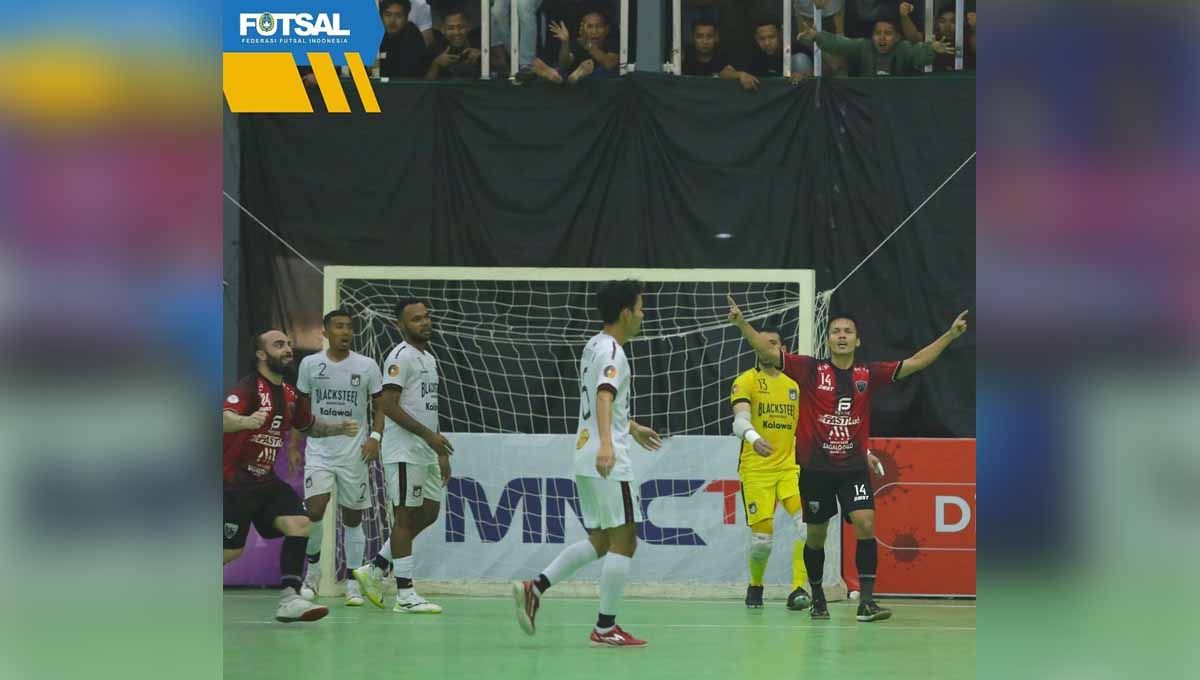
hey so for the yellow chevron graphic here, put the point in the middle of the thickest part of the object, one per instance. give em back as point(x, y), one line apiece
point(269, 82)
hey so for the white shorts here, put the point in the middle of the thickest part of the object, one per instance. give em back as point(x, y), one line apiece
point(607, 503)
point(353, 489)
point(419, 483)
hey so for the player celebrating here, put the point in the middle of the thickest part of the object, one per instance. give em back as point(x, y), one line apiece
point(765, 405)
point(603, 471)
point(259, 411)
point(832, 437)
point(416, 457)
point(339, 383)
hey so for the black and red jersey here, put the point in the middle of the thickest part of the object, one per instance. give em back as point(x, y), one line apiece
point(248, 457)
point(835, 409)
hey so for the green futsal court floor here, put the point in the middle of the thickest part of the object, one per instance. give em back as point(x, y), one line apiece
point(478, 638)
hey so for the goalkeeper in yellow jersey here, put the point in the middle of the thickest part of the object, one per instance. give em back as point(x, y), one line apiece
point(765, 403)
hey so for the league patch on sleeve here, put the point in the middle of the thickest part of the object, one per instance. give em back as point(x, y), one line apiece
point(610, 372)
point(232, 399)
point(393, 371)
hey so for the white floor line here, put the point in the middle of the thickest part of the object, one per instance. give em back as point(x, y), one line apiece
point(720, 626)
point(886, 601)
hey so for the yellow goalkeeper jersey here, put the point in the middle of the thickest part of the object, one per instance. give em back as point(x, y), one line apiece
point(774, 403)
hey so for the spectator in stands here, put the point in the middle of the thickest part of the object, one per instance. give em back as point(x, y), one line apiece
point(527, 27)
point(586, 56)
point(944, 30)
point(402, 52)
point(705, 57)
point(421, 15)
point(456, 57)
point(767, 59)
point(881, 55)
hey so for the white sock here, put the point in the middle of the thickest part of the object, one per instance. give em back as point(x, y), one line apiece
point(356, 544)
point(612, 581)
point(315, 534)
point(573, 558)
point(403, 568)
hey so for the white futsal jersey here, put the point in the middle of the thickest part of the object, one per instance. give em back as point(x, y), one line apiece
point(339, 390)
point(603, 366)
point(415, 372)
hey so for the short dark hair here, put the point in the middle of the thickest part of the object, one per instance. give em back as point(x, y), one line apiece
point(766, 21)
point(891, 21)
point(404, 302)
point(594, 10)
point(456, 10)
point(614, 296)
point(842, 315)
point(772, 328)
point(334, 314)
point(258, 337)
point(407, 4)
point(703, 22)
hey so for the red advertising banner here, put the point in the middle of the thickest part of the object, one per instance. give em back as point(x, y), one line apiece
point(924, 518)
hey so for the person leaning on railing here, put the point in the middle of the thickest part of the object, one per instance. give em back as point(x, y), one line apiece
point(883, 54)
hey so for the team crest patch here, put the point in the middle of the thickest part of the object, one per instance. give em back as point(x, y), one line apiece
point(393, 370)
point(814, 506)
point(610, 372)
point(233, 399)
point(735, 388)
point(583, 438)
point(308, 481)
point(792, 396)
point(355, 379)
point(753, 509)
point(416, 492)
point(230, 530)
point(860, 385)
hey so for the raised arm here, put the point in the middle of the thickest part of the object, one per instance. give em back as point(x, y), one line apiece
point(929, 354)
point(907, 27)
point(767, 355)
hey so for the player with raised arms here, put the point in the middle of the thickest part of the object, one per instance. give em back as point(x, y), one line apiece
point(832, 439)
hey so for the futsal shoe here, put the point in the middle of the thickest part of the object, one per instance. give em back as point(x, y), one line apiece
point(527, 601)
point(820, 611)
point(370, 577)
point(798, 600)
point(754, 597)
point(294, 608)
point(869, 611)
point(412, 603)
point(615, 638)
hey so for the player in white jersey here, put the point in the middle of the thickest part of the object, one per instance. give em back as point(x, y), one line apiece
point(416, 457)
point(339, 384)
point(603, 470)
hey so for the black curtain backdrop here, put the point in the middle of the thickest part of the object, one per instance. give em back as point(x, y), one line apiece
point(642, 171)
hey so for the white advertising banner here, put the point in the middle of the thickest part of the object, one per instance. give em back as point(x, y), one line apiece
point(511, 507)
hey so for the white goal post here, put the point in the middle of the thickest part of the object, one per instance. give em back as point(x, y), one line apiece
point(507, 342)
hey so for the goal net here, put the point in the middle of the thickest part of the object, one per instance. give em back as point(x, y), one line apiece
point(508, 342)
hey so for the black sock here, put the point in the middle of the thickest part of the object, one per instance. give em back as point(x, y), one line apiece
point(403, 582)
point(866, 558)
point(313, 559)
point(541, 583)
point(814, 562)
point(381, 562)
point(291, 561)
point(606, 620)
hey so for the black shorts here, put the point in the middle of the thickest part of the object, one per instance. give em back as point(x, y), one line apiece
point(823, 491)
point(259, 504)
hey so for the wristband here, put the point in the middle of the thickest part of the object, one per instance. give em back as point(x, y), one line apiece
point(376, 436)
